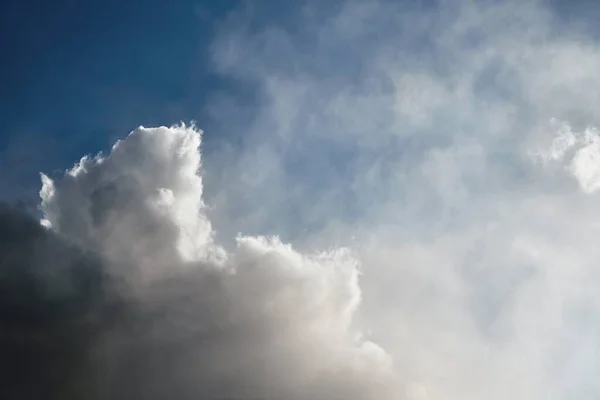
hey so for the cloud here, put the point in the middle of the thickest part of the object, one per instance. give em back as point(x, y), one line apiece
point(426, 139)
point(407, 132)
point(123, 293)
point(350, 101)
point(582, 151)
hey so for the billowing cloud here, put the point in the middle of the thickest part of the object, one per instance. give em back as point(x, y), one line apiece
point(124, 294)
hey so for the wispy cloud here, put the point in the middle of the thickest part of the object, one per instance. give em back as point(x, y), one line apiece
point(407, 131)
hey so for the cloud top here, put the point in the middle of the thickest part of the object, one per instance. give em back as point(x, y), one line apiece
point(190, 320)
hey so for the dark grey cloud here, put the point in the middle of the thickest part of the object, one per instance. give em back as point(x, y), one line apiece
point(53, 304)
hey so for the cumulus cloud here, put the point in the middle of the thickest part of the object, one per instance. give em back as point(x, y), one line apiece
point(123, 294)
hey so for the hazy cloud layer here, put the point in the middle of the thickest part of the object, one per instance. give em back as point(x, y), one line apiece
point(453, 146)
point(356, 103)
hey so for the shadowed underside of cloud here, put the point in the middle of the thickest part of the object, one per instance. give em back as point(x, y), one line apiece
point(124, 295)
point(50, 296)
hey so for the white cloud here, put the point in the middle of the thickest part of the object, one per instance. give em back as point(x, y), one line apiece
point(579, 153)
point(478, 260)
point(263, 321)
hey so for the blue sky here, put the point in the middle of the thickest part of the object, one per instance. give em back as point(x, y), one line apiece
point(76, 75)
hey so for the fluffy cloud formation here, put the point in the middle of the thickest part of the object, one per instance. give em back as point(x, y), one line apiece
point(124, 295)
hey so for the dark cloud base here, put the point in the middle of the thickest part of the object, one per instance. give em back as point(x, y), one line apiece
point(52, 306)
point(68, 330)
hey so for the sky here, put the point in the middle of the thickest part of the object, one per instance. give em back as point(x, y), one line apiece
point(366, 199)
point(76, 75)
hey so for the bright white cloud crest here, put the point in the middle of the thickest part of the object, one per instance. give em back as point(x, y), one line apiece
point(277, 323)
